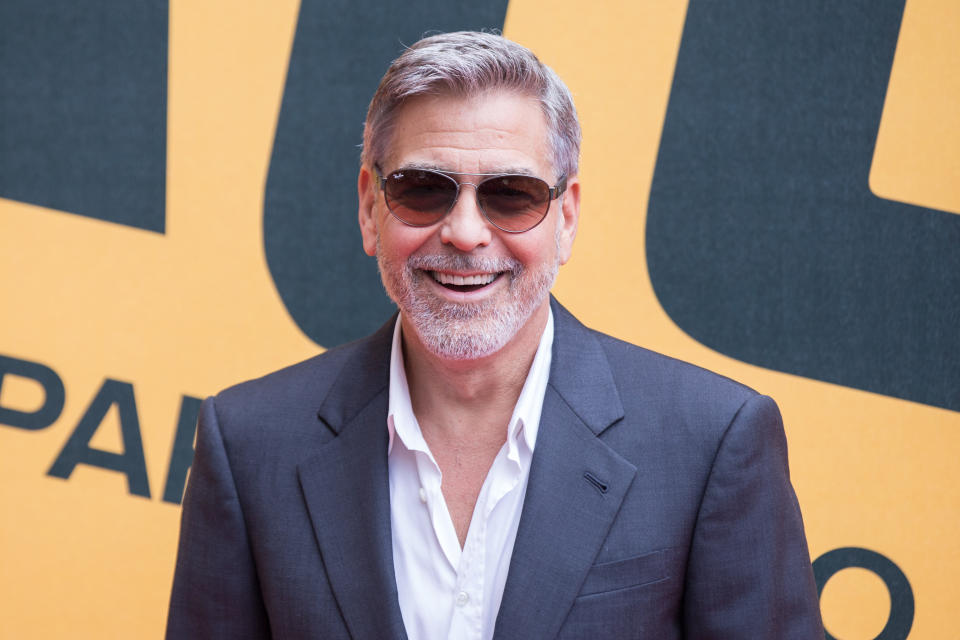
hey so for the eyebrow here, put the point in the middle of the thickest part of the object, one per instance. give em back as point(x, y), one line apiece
point(425, 166)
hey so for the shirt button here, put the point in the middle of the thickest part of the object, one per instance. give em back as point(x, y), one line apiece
point(423, 495)
point(463, 598)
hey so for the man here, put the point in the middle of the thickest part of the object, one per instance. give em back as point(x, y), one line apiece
point(485, 466)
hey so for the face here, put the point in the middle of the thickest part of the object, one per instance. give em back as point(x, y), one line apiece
point(464, 287)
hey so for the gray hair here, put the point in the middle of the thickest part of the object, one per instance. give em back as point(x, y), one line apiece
point(467, 63)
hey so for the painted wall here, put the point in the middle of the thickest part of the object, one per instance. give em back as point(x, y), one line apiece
point(771, 190)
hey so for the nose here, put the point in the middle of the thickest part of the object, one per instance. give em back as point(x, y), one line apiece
point(465, 227)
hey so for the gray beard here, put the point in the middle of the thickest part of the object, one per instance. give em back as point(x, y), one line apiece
point(465, 331)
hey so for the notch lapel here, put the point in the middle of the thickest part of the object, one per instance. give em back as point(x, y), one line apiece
point(346, 488)
point(576, 486)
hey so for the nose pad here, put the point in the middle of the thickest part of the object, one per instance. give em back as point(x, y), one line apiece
point(465, 226)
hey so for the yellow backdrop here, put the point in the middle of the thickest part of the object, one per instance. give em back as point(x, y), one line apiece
point(186, 313)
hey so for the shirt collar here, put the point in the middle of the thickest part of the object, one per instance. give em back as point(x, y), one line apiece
point(525, 421)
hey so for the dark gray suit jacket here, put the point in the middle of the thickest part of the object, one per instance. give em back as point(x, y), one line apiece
point(659, 506)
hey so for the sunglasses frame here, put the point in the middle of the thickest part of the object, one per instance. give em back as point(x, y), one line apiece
point(554, 193)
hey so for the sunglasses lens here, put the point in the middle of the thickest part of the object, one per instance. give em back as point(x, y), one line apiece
point(514, 203)
point(419, 197)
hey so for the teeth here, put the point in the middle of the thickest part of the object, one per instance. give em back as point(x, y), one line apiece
point(449, 278)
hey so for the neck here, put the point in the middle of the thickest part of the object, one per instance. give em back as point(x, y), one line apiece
point(470, 399)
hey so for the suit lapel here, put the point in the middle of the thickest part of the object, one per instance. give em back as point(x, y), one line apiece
point(346, 488)
point(575, 489)
point(574, 493)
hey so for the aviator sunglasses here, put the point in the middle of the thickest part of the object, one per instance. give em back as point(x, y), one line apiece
point(511, 202)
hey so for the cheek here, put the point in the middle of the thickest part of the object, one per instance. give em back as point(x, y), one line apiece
point(537, 246)
point(397, 241)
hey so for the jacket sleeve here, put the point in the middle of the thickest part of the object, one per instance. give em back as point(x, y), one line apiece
point(749, 572)
point(216, 593)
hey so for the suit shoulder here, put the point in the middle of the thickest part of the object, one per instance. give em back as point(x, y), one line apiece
point(676, 414)
point(308, 377)
point(292, 395)
point(681, 387)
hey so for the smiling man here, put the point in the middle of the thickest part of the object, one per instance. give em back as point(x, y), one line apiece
point(484, 466)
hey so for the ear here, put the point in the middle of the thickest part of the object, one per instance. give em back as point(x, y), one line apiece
point(367, 198)
point(570, 216)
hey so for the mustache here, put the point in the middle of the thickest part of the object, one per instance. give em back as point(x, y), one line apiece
point(462, 262)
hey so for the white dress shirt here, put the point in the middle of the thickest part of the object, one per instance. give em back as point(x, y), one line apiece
point(446, 591)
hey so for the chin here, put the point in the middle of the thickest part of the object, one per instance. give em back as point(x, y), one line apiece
point(452, 340)
point(454, 331)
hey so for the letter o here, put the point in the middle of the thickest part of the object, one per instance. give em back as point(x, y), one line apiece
point(901, 595)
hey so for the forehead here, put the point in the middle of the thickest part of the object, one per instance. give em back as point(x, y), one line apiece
point(496, 131)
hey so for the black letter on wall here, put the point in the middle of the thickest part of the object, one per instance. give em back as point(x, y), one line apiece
point(78, 451)
point(764, 241)
point(52, 389)
point(901, 595)
point(83, 107)
point(182, 455)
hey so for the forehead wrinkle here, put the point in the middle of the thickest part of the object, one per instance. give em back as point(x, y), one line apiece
point(489, 129)
point(477, 140)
